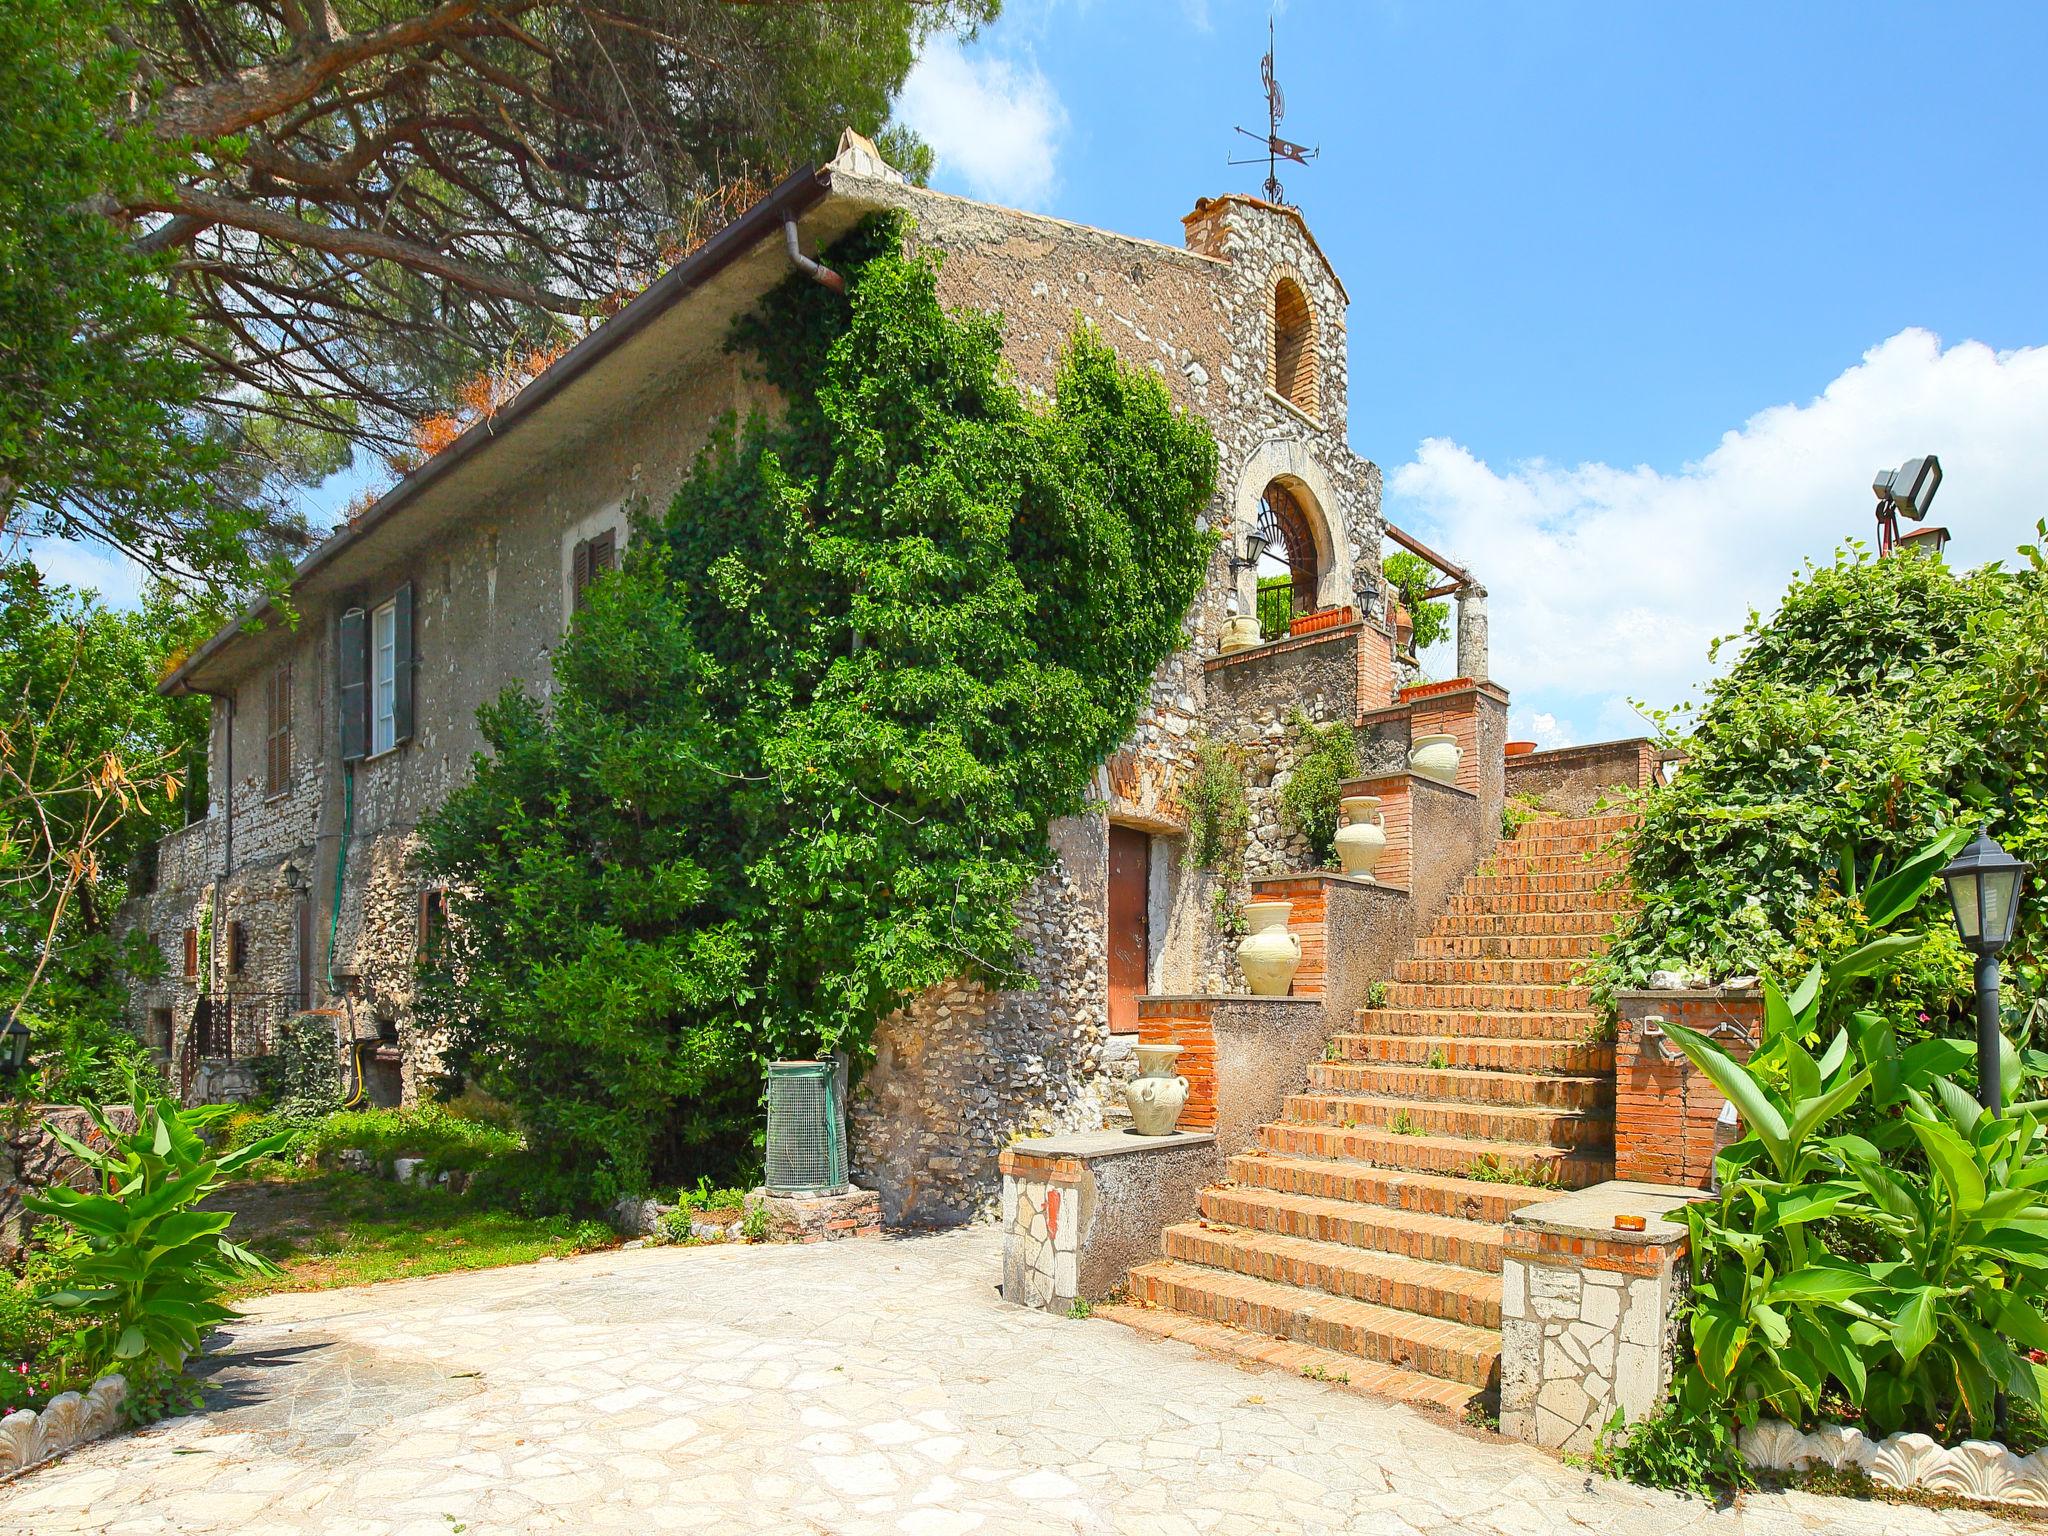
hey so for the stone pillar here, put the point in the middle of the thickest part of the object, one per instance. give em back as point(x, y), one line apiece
point(1472, 632)
point(1589, 1311)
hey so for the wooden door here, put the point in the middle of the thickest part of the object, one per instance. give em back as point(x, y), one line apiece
point(1130, 936)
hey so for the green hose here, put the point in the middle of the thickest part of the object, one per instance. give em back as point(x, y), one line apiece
point(348, 823)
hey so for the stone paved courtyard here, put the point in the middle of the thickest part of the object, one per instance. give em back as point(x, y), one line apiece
point(875, 1386)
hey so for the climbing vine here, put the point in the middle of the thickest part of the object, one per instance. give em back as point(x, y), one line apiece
point(802, 751)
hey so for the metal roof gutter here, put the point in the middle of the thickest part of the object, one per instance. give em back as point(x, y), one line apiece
point(792, 197)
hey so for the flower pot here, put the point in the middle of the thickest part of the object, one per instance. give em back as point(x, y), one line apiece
point(1436, 757)
point(1362, 836)
point(1239, 634)
point(1269, 954)
point(1156, 1095)
point(1520, 748)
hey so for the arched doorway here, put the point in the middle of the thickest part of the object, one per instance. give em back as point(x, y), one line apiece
point(1289, 573)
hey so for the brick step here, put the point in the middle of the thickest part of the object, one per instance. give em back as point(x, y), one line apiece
point(1402, 1189)
point(1257, 1349)
point(1607, 825)
point(1453, 1156)
point(1498, 925)
point(1488, 997)
point(1427, 1345)
point(1562, 859)
point(1497, 972)
point(1569, 1025)
point(1476, 1122)
point(1577, 882)
point(1481, 1054)
point(1444, 1240)
point(1513, 946)
point(1387, 1280)
point(1576, 1094)
point(1509, 903)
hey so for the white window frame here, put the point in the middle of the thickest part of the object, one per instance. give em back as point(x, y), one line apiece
point(383, 679)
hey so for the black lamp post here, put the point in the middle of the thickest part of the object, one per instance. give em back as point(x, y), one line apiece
point(13, 1047)
point(1984, 888)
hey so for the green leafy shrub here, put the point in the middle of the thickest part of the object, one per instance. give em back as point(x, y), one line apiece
point(1411, 576)
point(1671, 1449)
point(1883, 700)
point(1309, 800)
point(1276, 606)
point(428, 1131)
point(144, 1280)
point(802, 751)
point(1218, 810)
point(302, 1073)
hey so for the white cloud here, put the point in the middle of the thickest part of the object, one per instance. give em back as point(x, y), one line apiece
point(1542, 727)
point(994, 125)
point(88, 567)
point(1608, 583)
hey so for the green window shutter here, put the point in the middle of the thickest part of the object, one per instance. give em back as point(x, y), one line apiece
point(579, 574)
point(401, 664)
point(354, 660)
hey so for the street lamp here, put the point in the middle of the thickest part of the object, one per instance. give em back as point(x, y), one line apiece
point(13, 1047)
point(1984, 889)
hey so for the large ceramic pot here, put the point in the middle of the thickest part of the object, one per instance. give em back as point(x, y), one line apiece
point(1268, 954)
point(1240, 633)
point(1361, 835)
point(1436, 757)
point(1156, 1095)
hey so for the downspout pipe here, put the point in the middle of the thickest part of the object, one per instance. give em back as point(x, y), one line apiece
point(817, 269)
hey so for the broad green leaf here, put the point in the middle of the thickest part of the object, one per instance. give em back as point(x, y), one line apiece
point(1953, 1160)
point(1750, 1098)
point(1913, 1324)
point(1874, 956)
point(1824, 1284)
point(1888, 899)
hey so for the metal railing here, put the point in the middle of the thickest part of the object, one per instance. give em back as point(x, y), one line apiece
point(230, 1025)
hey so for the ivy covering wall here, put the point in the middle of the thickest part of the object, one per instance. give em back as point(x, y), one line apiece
point(802, 751)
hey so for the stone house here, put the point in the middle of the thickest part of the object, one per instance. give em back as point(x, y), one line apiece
point(335, 732)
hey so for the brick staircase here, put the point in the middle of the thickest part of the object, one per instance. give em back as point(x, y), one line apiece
point(1353, 1242)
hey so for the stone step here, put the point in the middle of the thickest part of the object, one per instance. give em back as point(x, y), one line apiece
point(1479, 1054)
point(1513, 946)
point(1488, 997)
point(1476, 1122)
point(1490, 972)
point(1426, 1345)
point(1577, 1094)
point(1432, 1194)
point(1454, 1156)
point(1257, 1349)
point(1408, 1285)
point(1568, 1025)
point(1497, 925)
point(1348, 1224)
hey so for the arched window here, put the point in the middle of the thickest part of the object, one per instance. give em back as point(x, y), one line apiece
point(1287, 572)
point(1294, 346)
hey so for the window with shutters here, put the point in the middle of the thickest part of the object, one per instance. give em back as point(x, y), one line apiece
point(433, 922)
point(277, 747)
point(191, 951)
point(383, 678)
point(591, 559)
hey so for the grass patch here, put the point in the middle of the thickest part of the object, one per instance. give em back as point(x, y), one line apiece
point(335, 1229)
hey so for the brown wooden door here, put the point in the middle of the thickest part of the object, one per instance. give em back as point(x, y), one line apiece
point(1130, 937)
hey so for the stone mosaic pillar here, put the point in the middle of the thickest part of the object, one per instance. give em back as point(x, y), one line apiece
point(1589, 1312)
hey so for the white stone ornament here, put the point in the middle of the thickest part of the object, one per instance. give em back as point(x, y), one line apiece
point(1977, 1469)
point(69, 1419)
point(1157, 1094)
point(1361, 836)
point(1268, 954)
point(1436, 757)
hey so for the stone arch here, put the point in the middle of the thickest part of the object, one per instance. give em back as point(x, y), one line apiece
point(1291, 359)
point(1313, 495)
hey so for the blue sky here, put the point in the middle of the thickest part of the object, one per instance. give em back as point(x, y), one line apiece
point(1641, 294)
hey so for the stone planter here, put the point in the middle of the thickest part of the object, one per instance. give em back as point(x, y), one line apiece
point(1976, 1469)
point(1519, 748)
point(1157, 1094)
point(1239, 634)
point(1361, 836)
point(68, 1420)
point(1268, 954)
point(1436, 757)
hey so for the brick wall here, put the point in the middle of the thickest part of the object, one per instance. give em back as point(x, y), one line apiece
point(1666, 1111)
point(1187, 1023)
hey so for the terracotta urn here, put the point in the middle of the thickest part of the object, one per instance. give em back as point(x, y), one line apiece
point(1268, 954)
point(1520, 748)
point(1157, 1094)
point(1436, 757)
point(1240, 633)
point(1361, 835)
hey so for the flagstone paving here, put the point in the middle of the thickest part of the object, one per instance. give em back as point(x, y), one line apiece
point(859, 1387)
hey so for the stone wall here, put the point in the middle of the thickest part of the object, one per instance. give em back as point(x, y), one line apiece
point(32, 1159)
point(1589, 1313)
point(1574, 781)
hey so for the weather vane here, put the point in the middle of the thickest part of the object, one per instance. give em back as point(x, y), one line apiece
point(1277, 148)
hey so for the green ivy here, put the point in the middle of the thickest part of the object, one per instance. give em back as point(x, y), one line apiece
point(1309, 800)
point(802, 751)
